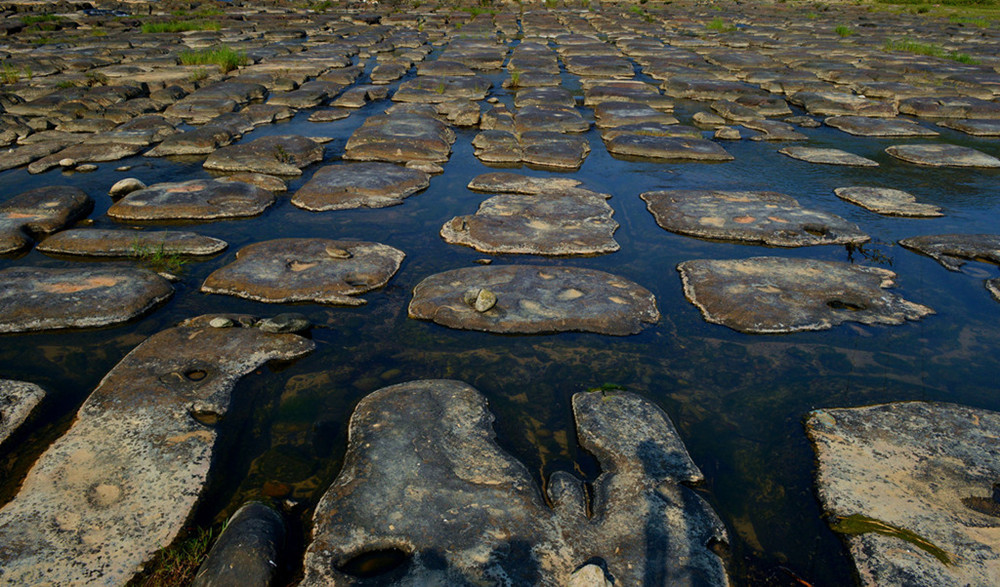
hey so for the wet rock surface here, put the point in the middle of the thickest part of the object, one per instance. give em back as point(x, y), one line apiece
point(768, 295)
point(953, 250)
point(124, 478)
point(888, 201)
point(17, 400)
point(38, 212)
point(248, 552)
point(534, 299)
point(96, 242)
point(425, 479)
point(912, 487)
point(943, 156)
point(38, 298)
point(827, 156)
point(280, 155)
point(359, 185)
point(297, 270)
point(766, 218)
point(198, 199)
point(660, 147)
point(879, 127)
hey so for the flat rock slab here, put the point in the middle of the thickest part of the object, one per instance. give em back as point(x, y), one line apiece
point(400, 138)
point(17, 400)
point(535, 299)
point(277, 155)
point(89, 152)
point(514, 183)
point(888, 201)
point(425, 479)
point(842, 104)
point(953, 250)
point(662, 147)
point(827, 156)
point(615, 114)
point(865, 126)
point(124, 479)
point(913, 488)
point(951, 107)
point(766, 218)
point(317, 270)
point(769, 295)
point(943, 156)
point(553, 150)
point(40, 211)
point(571, 222)
point(979, 128)
point(95, 242)
point(198, 199)
point(40, 298)
point(359, 185)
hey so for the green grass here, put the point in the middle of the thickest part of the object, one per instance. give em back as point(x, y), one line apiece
point(928, 49)
point(180, 26)
point(973, 3)
point(812, 15)
point(157, 258)
point(10, 74)
point(37, 18)
point(859, 524)
point(717, 24)
point(227, 59)
point(203, 13)
point(844, 31)
point(973, 20)
point(177, 564)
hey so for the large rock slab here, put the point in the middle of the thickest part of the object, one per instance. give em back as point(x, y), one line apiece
point(767, 218)
point(41, 298)
point(568, 222)
point(553, 150)
point(888, 201)
point(400, 138)
point(306, 270)
point(664, 147)
point(198, 199)
point(275, 155)
point(842, 104)
point(942, 156)
point(514, 183)
point(424, 480)
point(950, 107)
point(533, 299)
point(979, 128)
point(359, 185)
point(17, 400)
point(93, 151)
point(865, 126)
point(827, 156)
point(99, 242)
point(912, 487)
point(40, 211)
point(122, 482)
point(768, 295)
point(953, 250)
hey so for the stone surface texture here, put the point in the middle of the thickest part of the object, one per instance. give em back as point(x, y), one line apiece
point(99, 242)
point(39, 211)
point(953, 250)
point(359, 185)
point(424, 475)
point(123, 480)
point(197, 199)
point(888, 201)
point(17, 400)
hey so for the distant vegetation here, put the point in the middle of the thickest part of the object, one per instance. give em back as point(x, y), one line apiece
point(927, 49)
point(844, 31)
point(226, 58)
point(717, 24)
point(181, 26)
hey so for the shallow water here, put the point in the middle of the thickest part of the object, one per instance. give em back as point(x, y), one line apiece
point(737, 400)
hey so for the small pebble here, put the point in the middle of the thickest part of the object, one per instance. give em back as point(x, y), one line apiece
point(85, 167)
point(67, 162)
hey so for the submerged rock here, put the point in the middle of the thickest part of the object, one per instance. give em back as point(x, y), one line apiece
point(572, 222)
point(198, 199)
point(95, 242)
point(17, 400)
point(827, 156)
point(359, 185)
point(766, 218)
point(912, 487)
point(953, 250)
point(41, 298)
point(768, 295)
point(306, 270)
point(888, 201)
point(942, 156)
point(248, 552)
point(122, 482)
point(426, 486)
point(40, 211)
point(535, 299)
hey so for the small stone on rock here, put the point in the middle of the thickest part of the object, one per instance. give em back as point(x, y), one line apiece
point(284, 323)
point(220, 322)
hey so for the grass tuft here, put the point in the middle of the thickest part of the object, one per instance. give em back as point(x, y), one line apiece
point(717, 24)
point(158, 258)
point(181, 26)
point(227, 59)
point(927, 49)
point(844, 31)
point(860, 524)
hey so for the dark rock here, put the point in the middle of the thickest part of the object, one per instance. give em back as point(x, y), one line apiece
point(953, 250)
point(660, 147)
point(39, 298)
point(274, 155)
point(306, 269)
point(534, 299)
point(17, 400)
point(123, 243)
point(248, 552)
point(425, 485)
point(285, 323)
point(198, 199)
point(40, 211)
point(400, 138)
point(359, 185)
point(942, 156)
point(879, 127)
point(769, 295)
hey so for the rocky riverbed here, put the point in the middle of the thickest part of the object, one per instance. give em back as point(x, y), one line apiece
point(561, 293)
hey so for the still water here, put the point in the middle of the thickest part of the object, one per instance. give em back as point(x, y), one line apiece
point(737, 400)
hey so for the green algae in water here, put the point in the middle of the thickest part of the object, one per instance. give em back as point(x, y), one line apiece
point(860, 524)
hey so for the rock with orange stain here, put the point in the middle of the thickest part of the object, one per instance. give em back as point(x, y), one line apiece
point(752, 217)
point(40, 298)
point(769, 295)
point(306, 270)
point(123, 480)
point(198, 199)
point(40, 211)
